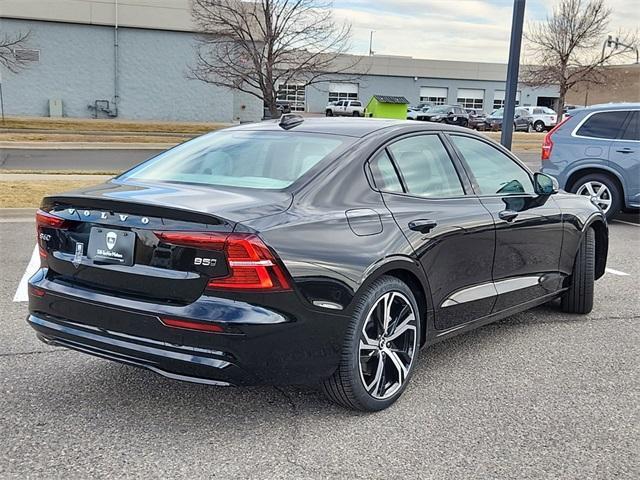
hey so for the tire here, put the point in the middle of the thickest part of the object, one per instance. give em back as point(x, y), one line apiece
point(373, 381)
point(355, 114)
point(609, 200)
point(465, 123)
point(328, 113)
point(539, 126)
point(579, 297)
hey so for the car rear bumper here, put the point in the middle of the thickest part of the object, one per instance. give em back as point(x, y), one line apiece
point(258, 345)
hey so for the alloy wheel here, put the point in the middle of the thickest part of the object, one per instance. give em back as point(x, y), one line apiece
point(598, 192)
point(388, 343)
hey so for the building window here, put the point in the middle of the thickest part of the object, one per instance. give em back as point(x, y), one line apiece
point(434, 100)
point(435, 95)
point(471, 98)
point(294, 93)
point(343, 91)
point(498, 99)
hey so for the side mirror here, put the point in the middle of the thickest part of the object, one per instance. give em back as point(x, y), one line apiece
point(545, 184)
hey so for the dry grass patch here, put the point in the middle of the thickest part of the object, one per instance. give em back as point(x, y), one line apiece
point(82, 124)
point(67, 137)
point(19, 194)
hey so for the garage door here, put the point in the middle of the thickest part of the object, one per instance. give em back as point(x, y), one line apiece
point(471, 98)
point(343, 91)
point(436, 95)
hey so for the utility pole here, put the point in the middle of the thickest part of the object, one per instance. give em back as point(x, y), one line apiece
point(513, 69)
point(371, 43)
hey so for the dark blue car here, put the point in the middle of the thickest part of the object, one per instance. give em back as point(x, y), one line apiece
point(595, 151)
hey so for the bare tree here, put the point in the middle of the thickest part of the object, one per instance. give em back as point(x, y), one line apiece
point(566, 48)
point(255, 46)
point(8, 44)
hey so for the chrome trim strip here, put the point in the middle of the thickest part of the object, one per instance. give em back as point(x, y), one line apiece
point(471, 294)
point(491, 289)
point(512, 284)
point(329, 305)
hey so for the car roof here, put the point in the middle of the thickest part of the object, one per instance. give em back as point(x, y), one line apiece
point(347, 126)
point(611, 106)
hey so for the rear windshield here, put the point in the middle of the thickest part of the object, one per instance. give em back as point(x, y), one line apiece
point(265, 160)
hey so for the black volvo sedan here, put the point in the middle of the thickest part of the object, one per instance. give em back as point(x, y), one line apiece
point(311, 251)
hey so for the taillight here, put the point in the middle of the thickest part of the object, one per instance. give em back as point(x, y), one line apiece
point(47, 220)
point(44, 219)
point(252, 266)
point(204, 240)
point(547, 143)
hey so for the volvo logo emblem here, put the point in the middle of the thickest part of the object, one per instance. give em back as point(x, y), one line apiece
point(111, 240)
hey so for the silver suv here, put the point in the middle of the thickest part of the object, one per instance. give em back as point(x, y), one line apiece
point(541, 118)
point(595, 151)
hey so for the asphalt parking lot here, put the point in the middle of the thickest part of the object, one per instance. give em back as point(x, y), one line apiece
point(539, 395)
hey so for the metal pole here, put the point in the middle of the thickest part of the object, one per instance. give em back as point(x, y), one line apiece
point(371, 43)
point(513, 69)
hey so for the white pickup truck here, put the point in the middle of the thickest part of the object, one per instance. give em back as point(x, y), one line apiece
point(345, 108)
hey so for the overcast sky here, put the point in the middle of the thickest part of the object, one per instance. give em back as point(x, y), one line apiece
point(472, 30)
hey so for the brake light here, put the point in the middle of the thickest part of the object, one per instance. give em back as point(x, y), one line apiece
point(252, 266)
point(44, 219)
point(204, 240)
point(547, 143)
point(47, 220)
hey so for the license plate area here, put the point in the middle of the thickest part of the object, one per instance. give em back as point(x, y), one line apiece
point(112, 246)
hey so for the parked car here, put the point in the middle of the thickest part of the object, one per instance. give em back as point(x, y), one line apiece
point(283, 106)
point(345, 108)
point(309, 251)
point(541, 118)
point(595, 152)
point(417, 113)
point(477, 119)
point(449, 114)
point(520, 121)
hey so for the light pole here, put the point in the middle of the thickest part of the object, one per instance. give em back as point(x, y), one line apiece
point(513, 69)
point(371, 43)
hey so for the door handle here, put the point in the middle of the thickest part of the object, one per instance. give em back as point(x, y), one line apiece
point(625, 150)
point(508, 215)
point(422, 226)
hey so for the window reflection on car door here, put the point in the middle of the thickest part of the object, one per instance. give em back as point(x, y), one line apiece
point(528, 226)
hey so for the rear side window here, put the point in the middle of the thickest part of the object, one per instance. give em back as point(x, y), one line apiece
point(495, 173)
point(356, 104)
point(632, 132)
point(265, 160)
point(426, 167)
point(384, 174)
point(603, 125)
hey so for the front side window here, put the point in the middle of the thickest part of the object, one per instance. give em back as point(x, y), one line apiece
point(603, 125)
point(426, 167)
point(632, 132)
point(251, 159)
point(495, 173)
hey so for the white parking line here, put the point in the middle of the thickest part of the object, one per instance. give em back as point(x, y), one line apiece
point(22, 291)
point(616, 272)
